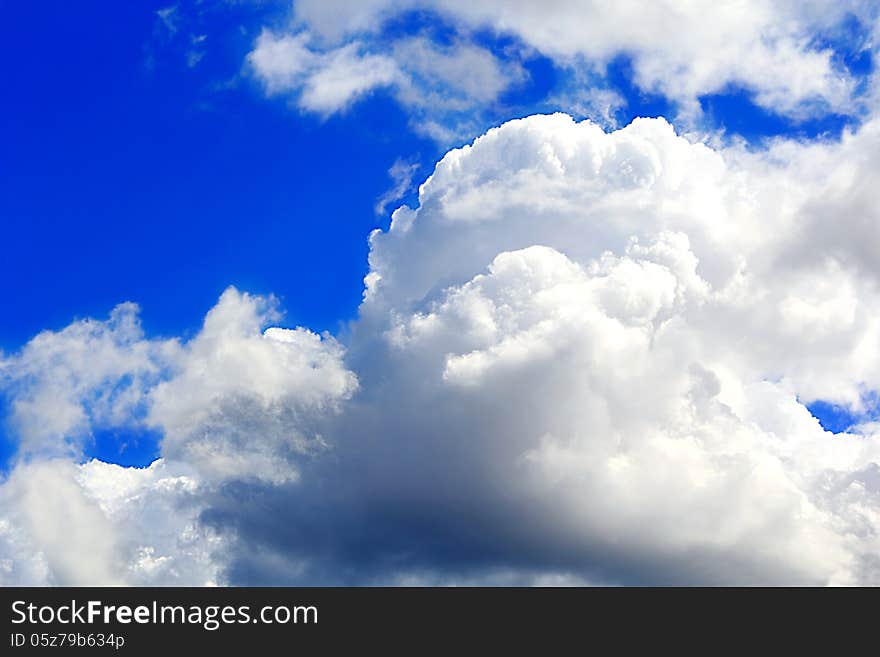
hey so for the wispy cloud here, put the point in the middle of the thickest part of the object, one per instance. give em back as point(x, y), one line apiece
point(401, 174)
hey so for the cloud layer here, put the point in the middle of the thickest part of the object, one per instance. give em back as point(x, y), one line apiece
point(583, 357)
point(792, 59)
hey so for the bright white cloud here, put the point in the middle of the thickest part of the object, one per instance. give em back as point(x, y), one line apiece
point(583, 355)
point(281, 61)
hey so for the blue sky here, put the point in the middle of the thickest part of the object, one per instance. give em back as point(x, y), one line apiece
point(160, 153)
point(129, 176)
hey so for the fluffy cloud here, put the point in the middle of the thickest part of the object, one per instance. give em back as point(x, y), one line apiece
point(600, 343)
point(236, 402)
point(583, 357)
point(242, 402)
point(439, 84)
point(779, 239)
point(102, 524)
point(772, 49)
point(90, 375)
point(629, 444)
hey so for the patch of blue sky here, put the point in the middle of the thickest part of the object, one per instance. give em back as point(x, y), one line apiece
point(134, 444)
point(8, 449)
point(851, 42)
point(837, 418)
point(735, 112)
point(418, 22)
point(638, 102)
point(130, 447)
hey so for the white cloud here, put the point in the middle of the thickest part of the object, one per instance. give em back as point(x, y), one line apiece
point(780, 236)
point(634, 382)
point(236, 399)
point(236, 402)
point(91, 374)
point(102, 524)
point(583, 355)
point(438, 84)
point(241, 401)
point(766, 47)
point(344, 75)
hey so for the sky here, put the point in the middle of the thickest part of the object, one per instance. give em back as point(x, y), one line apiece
point(440, 292)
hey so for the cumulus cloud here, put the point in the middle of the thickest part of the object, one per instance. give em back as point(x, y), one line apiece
point(242, 400)
point(627, 444)
point(236, 402)
point(749, 218)
point(101, 524)
point(582, 357)
point(633, 385)
point(600, 345)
